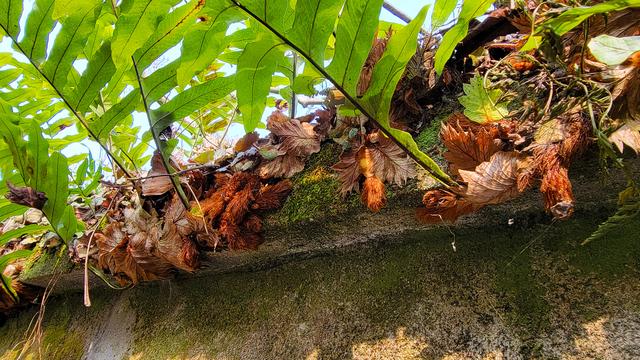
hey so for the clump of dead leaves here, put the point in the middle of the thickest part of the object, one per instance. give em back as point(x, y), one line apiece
point(141, 243)
point(497, 161)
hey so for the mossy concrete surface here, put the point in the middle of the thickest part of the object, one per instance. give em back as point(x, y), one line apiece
point(511, 292)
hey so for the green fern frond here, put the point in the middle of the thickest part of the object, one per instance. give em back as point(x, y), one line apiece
point(627, 212)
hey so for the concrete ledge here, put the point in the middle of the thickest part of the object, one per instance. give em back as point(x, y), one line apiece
point(595, 195)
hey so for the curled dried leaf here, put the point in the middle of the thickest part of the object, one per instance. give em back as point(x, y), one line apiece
point(376, 52)
point(156, 183)
point(26, 196)
point(284, 166)
point(467, 149)
point(443, 205)
point(348, 171)
point(493, 181)
point(246, 142)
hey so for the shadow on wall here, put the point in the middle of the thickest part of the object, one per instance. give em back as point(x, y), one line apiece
point(508, 293)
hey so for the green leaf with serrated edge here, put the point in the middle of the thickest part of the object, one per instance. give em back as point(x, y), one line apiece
point(470, 10)
point(25, 230)
point(37, 156)
point(69, 44)
point(480, 104)
point(354, 35)
point(533, 42)
point(39, 25)
point(313, 24)
point(613, 50)
point(573, 17)
point(102, 126)
point(206, 39)
point(256, 65)
point(190, 100)
point(169, 33)
point(10, 11)
point(442, 10)
point(137, 22)
point(99, 71)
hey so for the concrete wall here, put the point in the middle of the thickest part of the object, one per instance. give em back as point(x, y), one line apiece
point(521, 291)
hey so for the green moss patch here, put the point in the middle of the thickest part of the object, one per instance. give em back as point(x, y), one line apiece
point(316, 191)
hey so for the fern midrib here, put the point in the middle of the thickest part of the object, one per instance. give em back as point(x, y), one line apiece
point(104, 62)
point(184, 18)
point(175, 180)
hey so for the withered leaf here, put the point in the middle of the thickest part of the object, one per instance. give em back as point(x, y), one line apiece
point(629, 135)
point(245, 142)
point(348, 171)
point(284, 166)
point(550, 132)
point(467, 149)
point(174, 243)
point(128, 258)
point(493, 181)
point(376, 52)
point(26, 196)
point(296, 138)
point(156, 184)
point(442, 205)
point(390, 163)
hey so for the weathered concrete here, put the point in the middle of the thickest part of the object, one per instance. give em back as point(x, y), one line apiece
point(377, 286)
point(511, 292)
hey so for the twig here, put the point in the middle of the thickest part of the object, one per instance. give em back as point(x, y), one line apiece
point(400, 15)
point(156, 138)
point(87, 299)
point(181, 172)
